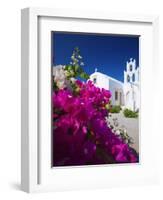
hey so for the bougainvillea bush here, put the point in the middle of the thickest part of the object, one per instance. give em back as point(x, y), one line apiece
point(81, 135)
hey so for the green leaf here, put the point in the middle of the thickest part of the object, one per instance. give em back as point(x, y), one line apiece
point(76, 67)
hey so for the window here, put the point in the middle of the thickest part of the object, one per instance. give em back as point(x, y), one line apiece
point(130, 67)
point(120, 98)
point(94, 80)
point(116, 95)
point(128, 78)
point(133, 78)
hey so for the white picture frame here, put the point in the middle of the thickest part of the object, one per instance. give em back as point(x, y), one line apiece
point(36, 171)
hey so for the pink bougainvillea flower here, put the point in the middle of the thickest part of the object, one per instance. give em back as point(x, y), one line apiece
point(81, 134)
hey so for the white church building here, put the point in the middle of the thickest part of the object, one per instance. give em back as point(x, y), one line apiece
point(126, 93)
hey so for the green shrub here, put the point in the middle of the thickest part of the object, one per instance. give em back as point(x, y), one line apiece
point(129, 113)
point(115, 109)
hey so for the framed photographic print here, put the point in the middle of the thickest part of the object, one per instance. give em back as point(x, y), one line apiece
point(87, 114)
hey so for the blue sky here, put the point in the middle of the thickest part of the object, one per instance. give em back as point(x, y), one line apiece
point(107, 53)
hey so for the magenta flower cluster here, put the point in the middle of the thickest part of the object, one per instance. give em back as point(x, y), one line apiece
point(81, 135)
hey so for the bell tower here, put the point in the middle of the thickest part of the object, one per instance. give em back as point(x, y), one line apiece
point(131, 74)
